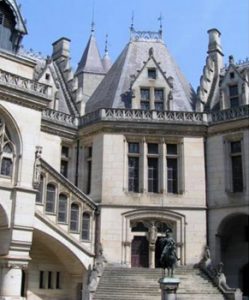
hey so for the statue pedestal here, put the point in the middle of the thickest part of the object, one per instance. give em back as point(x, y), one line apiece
point(169, 286)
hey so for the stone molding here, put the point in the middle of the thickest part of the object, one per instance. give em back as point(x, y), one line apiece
point(25, 84)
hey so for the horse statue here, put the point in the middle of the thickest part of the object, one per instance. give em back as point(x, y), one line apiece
point(168, 257)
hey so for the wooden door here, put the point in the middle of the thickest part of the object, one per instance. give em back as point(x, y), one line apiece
point(140, 252)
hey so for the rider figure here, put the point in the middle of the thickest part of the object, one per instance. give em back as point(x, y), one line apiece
point(168, 242)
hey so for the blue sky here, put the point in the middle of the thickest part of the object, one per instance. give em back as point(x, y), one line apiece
point(185, 25)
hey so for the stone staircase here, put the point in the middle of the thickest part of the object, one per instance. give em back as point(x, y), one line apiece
point(119, 283)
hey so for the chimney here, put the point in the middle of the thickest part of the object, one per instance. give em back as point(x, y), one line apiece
point(214, 44)
point(61, 49)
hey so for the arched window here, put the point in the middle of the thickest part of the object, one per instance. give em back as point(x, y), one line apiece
point(62, 209)
point(39, 194)
point(50, 200)
point(7, 151)
point(85, 234)
point(74, 218)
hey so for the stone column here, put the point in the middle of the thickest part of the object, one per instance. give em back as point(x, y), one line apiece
point(11, 281)
point(152, 248)
point(169, 286)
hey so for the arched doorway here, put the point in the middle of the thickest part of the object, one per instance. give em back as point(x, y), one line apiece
point(151, 225)
point(234, 249)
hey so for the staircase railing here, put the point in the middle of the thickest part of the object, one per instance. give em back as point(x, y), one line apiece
point(216, 274)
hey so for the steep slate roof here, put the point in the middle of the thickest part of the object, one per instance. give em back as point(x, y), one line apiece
point(91, 60)
point(117, 82)
point(20, 25)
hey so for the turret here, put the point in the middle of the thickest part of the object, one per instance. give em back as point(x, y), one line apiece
point(12, 26)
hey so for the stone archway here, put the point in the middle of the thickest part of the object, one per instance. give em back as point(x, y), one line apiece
point(5, 234)
point(54, 272)
point(149, 225)
point(234, 249)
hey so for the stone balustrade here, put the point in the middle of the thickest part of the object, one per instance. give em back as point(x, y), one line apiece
point(138, 115)
point(25, 84)
point(229, 114)
point(60, 117)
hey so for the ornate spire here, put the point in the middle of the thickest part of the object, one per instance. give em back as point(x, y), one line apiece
point(160, 19)
point(106, 44)
point(93, 17)
point(132, 22)
point(106, 61)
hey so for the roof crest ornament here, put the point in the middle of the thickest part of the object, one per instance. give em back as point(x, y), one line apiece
point(106, 44)
point(160, 19)
point(146, 35)
point(93, 17)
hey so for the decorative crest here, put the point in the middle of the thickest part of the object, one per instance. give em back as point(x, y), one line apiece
point(106, 44)
point(132, 22)
point(93, 17)
point(160, 19)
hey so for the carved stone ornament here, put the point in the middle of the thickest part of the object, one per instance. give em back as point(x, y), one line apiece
point(37, 167)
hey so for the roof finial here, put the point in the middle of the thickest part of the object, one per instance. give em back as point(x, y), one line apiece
point(160, 19)
point(93, 23)
point(132, 21)
point(106, 44)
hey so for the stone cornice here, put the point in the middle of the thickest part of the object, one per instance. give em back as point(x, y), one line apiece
point(22, 98)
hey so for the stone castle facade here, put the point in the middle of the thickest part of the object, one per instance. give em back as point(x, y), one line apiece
point(102, 160)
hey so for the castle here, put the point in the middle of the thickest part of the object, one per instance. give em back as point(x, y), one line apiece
point(103, 159)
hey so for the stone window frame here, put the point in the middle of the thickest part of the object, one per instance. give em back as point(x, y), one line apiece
point(62, 193)
point(6, 140)
point(162, 164)
point(54, 284)
point(54, 212)
point(78, 229)
point(227, 140)
point(89, 226)
point(152, 99)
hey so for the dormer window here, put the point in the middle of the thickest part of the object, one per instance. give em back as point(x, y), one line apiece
point(232, 75)
point(152, 73)
point(234, 96)
point(47, 76)
point(159, 99)
point(145, 98)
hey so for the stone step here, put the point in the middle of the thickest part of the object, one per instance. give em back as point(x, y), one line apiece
point(119, 283)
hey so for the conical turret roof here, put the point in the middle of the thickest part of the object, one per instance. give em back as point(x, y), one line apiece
point(20, 24)
point(91, 59)
point(113, 90)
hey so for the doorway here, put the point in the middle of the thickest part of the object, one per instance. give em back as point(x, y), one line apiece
point(140, 252)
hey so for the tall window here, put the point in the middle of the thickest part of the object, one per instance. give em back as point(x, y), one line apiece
point(50, 199)
point(64, 160)
point(85, 233)
point(89, 169)
point(7, 151)
point(159, 99)
point(172, 185)
point(74, 218)
point(62, 209)
point(145, 98)
point(133, 167)
point(234, 96)
point(153, 168)
point(236, 164)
